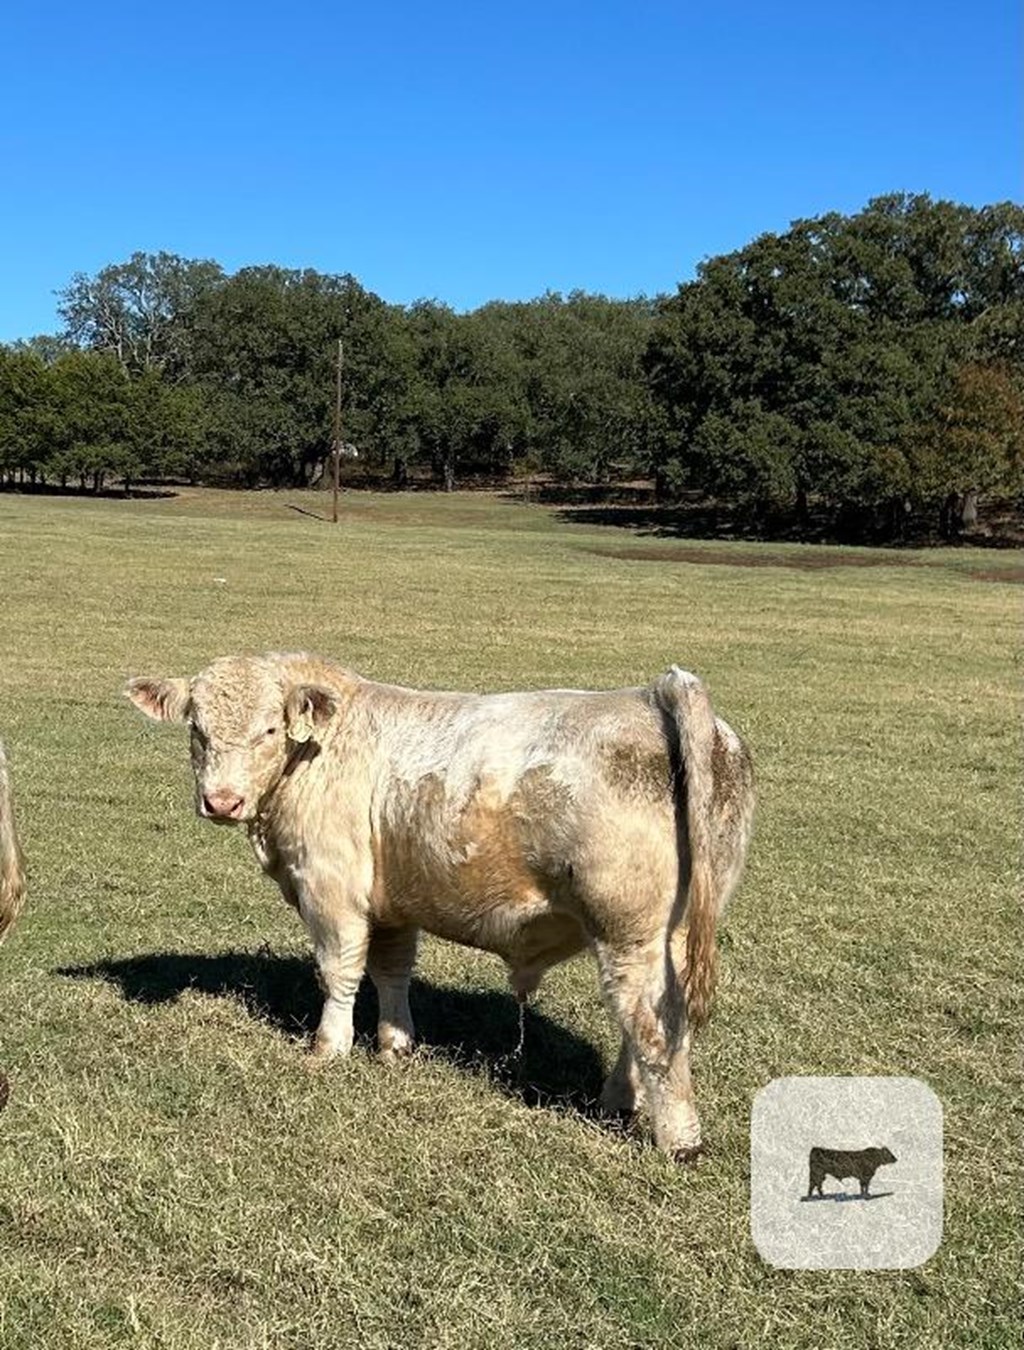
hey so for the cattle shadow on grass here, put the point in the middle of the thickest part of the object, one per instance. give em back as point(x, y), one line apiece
point(475, 1029)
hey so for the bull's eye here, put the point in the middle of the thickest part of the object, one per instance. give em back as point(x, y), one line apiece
point(270, 731)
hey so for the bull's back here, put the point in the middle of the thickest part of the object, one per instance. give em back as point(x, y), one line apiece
point(840, 1163)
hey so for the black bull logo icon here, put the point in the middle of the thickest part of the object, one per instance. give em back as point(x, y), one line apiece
point(861, 1164)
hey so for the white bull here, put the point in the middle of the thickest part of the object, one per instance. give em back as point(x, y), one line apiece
point(533, 825)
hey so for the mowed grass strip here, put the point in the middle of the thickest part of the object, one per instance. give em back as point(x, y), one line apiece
point(170, 1174)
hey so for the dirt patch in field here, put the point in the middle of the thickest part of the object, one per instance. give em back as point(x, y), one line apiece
point(811, 562)
point(1015, 575)
point(816, 561)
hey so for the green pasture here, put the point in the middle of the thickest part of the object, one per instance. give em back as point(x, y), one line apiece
point(172, 1176)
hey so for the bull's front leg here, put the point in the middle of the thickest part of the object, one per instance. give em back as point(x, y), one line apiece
point(341, 959)
point(340, 963)
point(340, 930)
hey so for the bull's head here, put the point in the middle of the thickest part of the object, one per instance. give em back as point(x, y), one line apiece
point(247, 720)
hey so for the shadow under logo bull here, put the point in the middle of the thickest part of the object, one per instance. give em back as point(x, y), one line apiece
point(860, 1164)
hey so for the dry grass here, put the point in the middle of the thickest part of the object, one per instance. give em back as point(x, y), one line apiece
point(171, 1176)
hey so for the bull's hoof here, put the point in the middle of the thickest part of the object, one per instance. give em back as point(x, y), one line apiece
point(321, 1054)
point(394, 1054)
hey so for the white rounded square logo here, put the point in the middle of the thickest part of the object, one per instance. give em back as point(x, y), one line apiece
point(846, 1173)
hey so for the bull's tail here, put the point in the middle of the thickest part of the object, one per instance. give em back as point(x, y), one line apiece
point(12, 873)
point(686, 700)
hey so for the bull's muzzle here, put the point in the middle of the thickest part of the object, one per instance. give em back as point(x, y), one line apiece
point(222, 805)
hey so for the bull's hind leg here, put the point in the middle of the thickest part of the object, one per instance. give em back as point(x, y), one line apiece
point(390, 960)
point(641, 986)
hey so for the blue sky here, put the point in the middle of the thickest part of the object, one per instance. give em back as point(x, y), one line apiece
point(471, 151)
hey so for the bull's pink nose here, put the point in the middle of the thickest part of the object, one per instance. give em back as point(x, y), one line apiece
point(227, 804)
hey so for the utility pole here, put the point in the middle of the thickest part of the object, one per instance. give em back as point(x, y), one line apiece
point(337, 431)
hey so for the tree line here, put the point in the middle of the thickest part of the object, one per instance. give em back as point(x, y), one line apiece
point(870, 363)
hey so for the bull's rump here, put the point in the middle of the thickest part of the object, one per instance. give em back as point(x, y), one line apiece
point(518, 821)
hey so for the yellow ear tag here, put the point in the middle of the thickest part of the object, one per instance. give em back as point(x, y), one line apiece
point(301, 730)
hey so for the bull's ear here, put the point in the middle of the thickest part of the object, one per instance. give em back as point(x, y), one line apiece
point(163, 700)
point(307, 710)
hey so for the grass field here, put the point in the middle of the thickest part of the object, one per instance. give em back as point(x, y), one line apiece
point(171, 1176)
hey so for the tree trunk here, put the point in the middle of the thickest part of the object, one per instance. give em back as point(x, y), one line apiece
point(442, 466)
point(896, 517)
point(949, 517)
point(803, 515)
point(969, 509)
point(400, 473)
